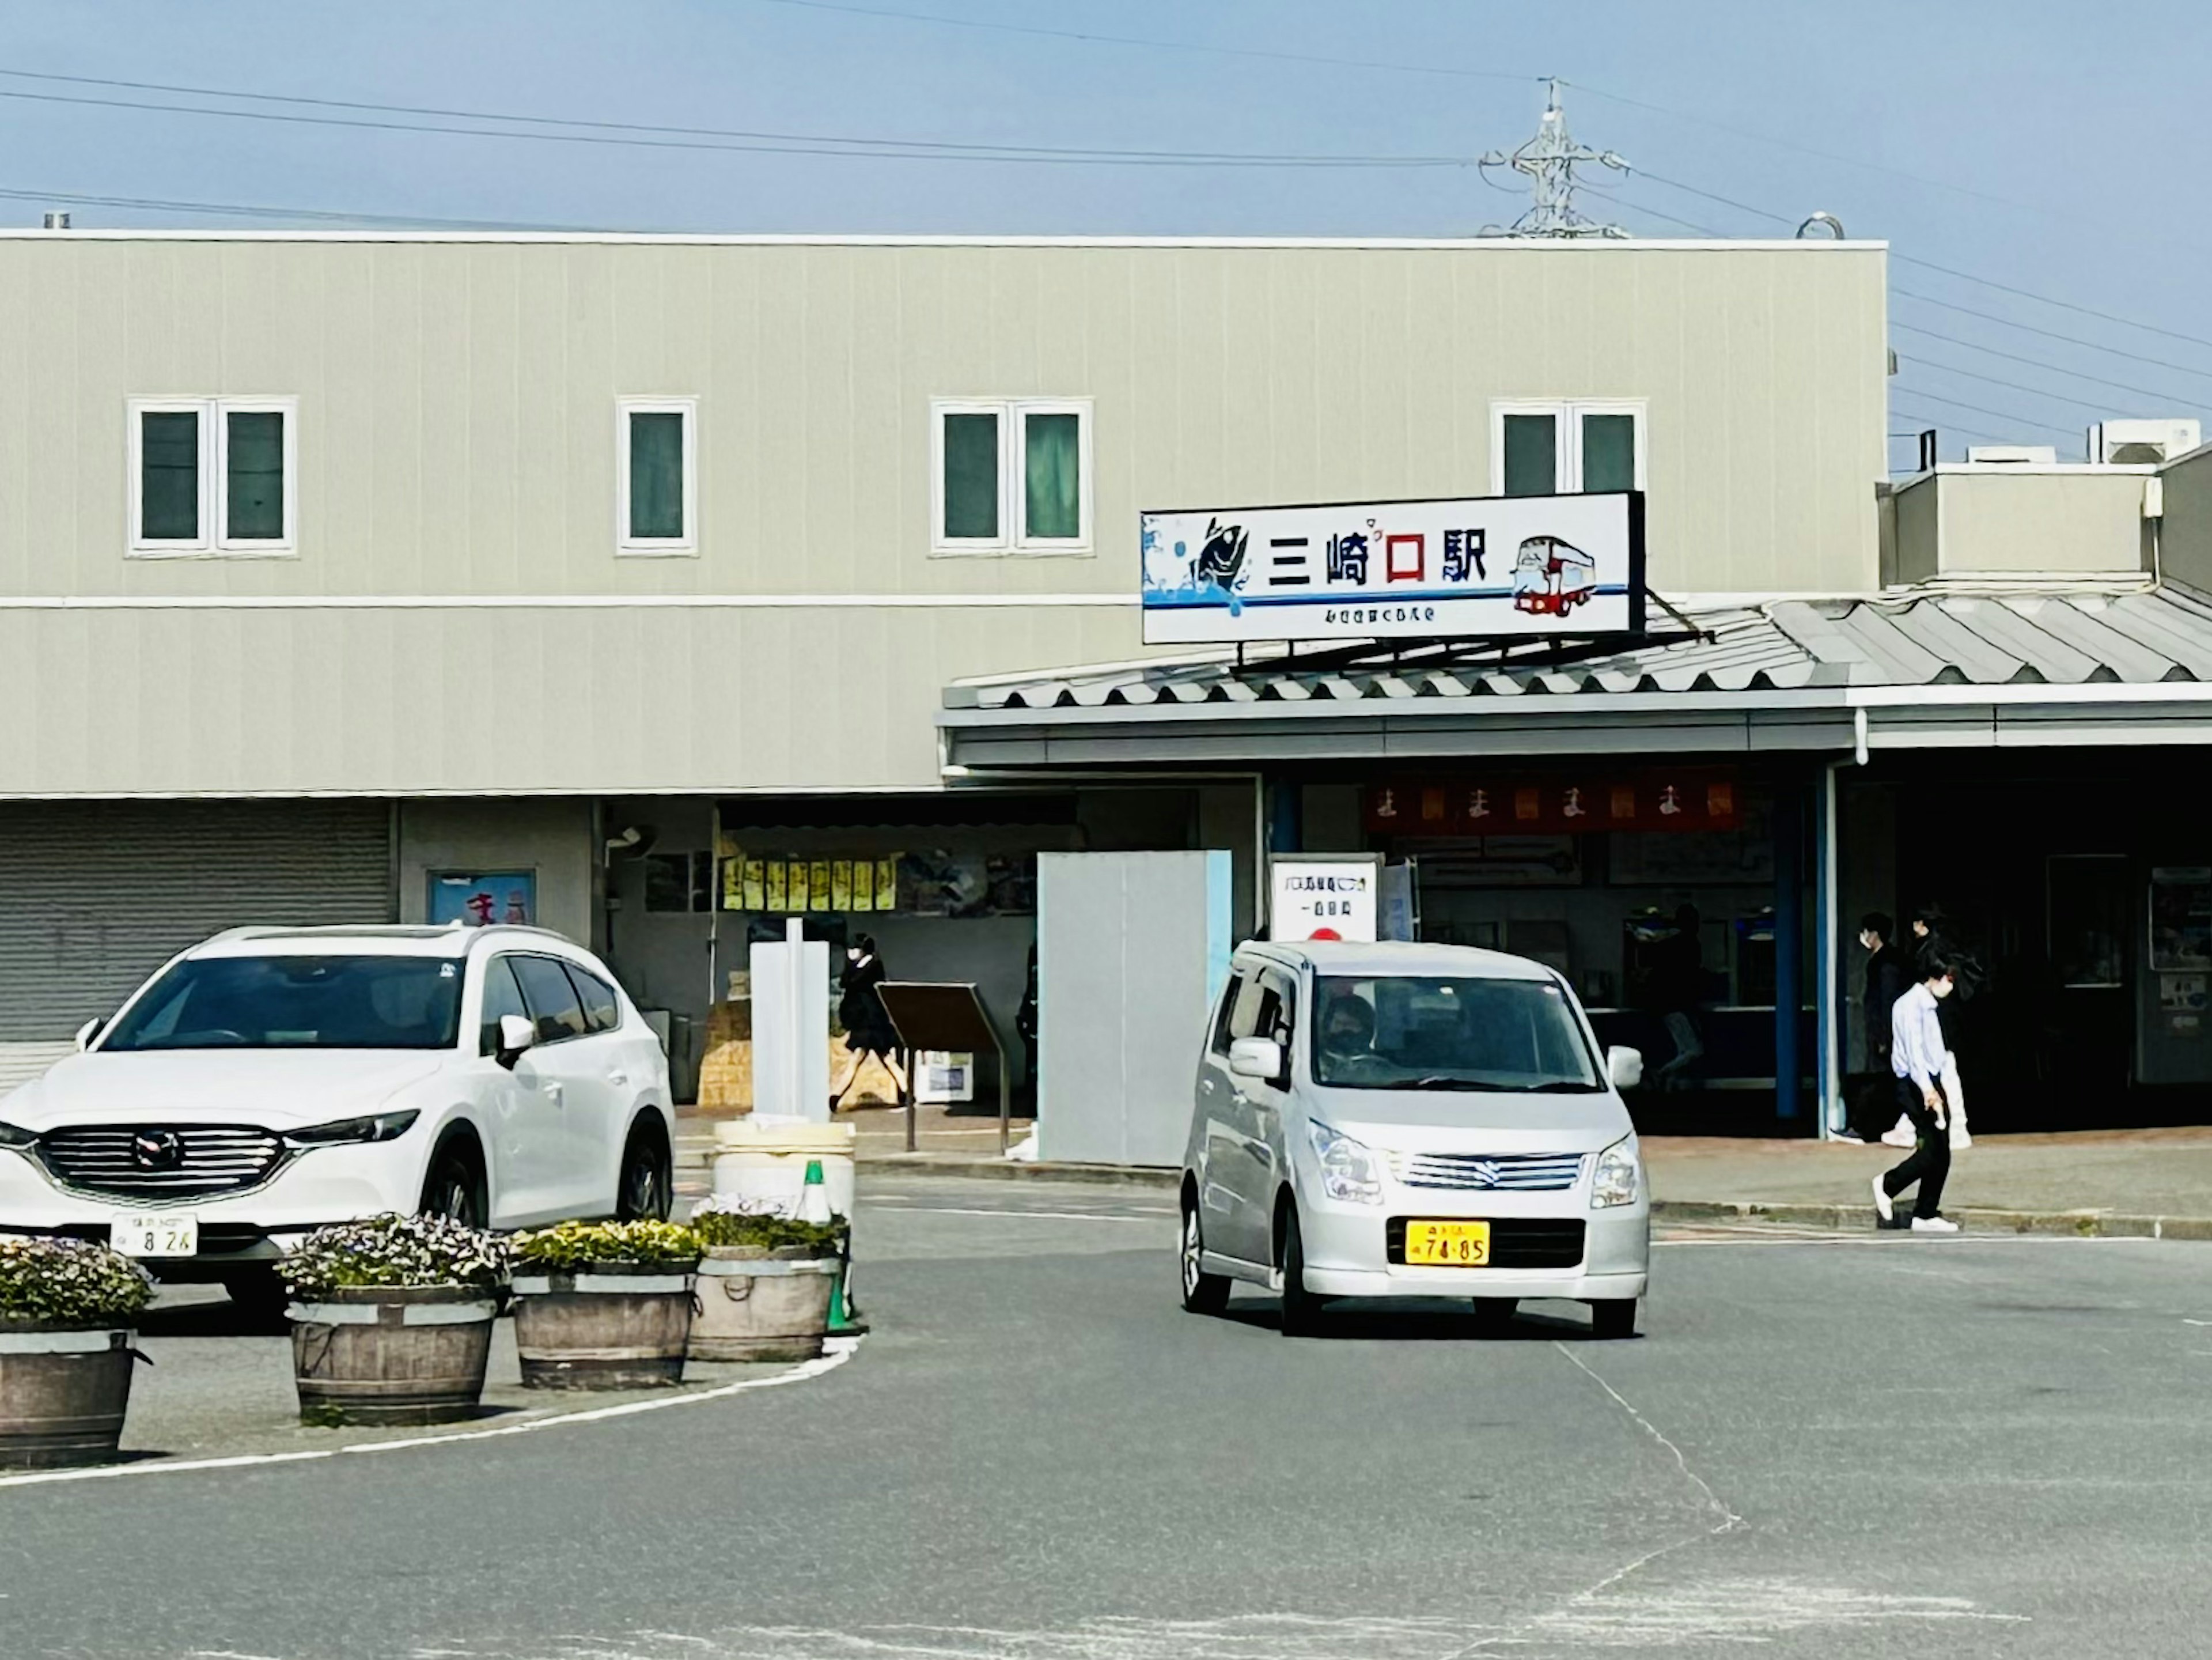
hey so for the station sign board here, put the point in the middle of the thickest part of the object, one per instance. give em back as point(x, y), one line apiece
point(1460, 568)
point(1323, 896)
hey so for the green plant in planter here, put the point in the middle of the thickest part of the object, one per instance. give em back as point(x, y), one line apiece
point(567, 1246)
point(395, 1251)
point(720, 1221)
point(70, 1282)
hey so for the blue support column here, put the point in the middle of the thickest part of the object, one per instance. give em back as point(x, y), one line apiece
point(1789, 947)
point(1286, 816)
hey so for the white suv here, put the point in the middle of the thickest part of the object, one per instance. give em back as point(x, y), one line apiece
point(272, 1080)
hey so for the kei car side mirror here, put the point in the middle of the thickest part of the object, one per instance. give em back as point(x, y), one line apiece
point(1625, 1067)
point(1256, 1057)
point(516, 1034)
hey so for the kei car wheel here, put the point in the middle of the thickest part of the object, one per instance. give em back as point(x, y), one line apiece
point(1202, 1293)
point(1301, 1308)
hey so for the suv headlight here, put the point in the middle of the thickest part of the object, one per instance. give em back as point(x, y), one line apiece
point(12, 1135)
point(1349, 1168)
point(1620, 1174)
point(378, 1127)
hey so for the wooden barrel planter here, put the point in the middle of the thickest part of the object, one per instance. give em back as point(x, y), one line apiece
point(611, 1326)
point(391, 1354)
point(63, 1393)
point(757, 1304)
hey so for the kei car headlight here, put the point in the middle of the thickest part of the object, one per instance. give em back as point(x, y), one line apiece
point(1619, 1175)
point(378, 1127)
point(13, 1135)
point(1349, 1168)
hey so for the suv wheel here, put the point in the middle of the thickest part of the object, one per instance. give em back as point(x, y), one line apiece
point(1202, 1293)
point(455, 1186)
point(644, 1192)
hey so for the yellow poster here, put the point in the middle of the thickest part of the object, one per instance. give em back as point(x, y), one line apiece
point(887, 883)
point(864, 884)
point(755, 892)
point(732, 889)
point(772, 893)
point(840, 884)
point(820, 885)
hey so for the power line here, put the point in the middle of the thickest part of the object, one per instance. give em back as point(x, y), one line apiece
point(2047, 299)
point(2001, 415)
point(155, 204)
point(2048, 334)
point(643, 127)
point(2014, 386)
point(1942, 426)
point(2041, 363)
point(857, 148)
point(1088, 38)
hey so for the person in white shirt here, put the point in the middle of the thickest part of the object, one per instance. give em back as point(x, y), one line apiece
point(1917, 1053)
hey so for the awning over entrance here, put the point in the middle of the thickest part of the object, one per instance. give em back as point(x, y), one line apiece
point(1948, 664)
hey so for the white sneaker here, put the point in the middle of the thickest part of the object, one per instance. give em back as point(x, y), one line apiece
point(1882, 1207)
point(1900, 1134)
point(1933, 1225)
point(1959, 1140)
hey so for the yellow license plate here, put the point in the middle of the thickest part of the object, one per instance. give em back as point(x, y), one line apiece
point(1447, 1244)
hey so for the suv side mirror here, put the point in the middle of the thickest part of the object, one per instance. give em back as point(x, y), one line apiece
point(1256, 1057)
point(516, 1034)
point(87, 1032)
point(1625, 1067)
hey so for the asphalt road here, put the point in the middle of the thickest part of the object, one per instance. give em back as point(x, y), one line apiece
point(1825, 1447)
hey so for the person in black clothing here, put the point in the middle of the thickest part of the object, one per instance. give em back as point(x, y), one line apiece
point(1677, 985)
point(1889, 977)
point(861, 1012)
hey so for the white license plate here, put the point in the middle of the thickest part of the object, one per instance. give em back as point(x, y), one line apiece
point(154, 1233)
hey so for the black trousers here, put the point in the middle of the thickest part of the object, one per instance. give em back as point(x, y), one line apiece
point(1929, 1163)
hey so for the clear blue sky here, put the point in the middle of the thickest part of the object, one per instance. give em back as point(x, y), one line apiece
point(2071, 135)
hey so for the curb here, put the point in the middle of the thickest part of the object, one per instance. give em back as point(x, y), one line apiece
point(1011, 1170)
point(2072, 1223)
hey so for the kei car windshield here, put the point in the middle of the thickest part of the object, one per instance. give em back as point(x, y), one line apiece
point(296, 1003)
point(1410, 1032)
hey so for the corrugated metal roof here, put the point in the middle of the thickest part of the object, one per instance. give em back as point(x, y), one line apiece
point(1939, 635)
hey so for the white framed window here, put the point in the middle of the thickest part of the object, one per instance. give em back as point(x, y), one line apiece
point(214, 476)
point(1565, 447)
point(657, 475)
point(1009, 475)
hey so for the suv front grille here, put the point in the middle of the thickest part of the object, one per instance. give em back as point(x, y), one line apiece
point(1538, 1172)
point(159, 1162)
point(1516, 1242)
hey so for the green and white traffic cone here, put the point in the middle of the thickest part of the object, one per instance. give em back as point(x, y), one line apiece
point(814, 1206)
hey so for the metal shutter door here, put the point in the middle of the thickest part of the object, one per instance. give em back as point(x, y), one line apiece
point(95, 895)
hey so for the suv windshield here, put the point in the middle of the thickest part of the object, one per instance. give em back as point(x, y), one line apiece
point(1405, 1033)
point(297, 1003)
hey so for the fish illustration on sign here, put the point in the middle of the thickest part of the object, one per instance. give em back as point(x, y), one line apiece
point(1221, 560)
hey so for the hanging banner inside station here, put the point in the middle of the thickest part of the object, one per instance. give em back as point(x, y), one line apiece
point(1561, 803)
point(1465, 568)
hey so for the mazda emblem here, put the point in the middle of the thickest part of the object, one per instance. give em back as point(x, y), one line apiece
point(157, 1150)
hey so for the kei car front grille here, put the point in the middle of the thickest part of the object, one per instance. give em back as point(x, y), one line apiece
point(1539, 1172)
point(158, 1162)
point(1516, 1242)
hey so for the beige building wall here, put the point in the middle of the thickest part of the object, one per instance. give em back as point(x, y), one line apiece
point(550, 839)
point(2021, 521)
point(2185, 535)
point(457, 440)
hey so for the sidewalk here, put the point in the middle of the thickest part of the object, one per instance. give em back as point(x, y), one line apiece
point(2151, 1182)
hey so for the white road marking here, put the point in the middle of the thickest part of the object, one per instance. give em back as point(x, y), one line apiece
point(838, 1351)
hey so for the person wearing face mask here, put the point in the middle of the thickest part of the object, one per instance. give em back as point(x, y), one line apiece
point(1915, 1059)
point(861, 1012)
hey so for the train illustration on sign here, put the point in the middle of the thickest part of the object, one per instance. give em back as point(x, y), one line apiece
point(1551, 577)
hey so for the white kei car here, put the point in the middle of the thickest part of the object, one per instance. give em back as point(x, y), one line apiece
point(272, 1080)
point(1402, 1119)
